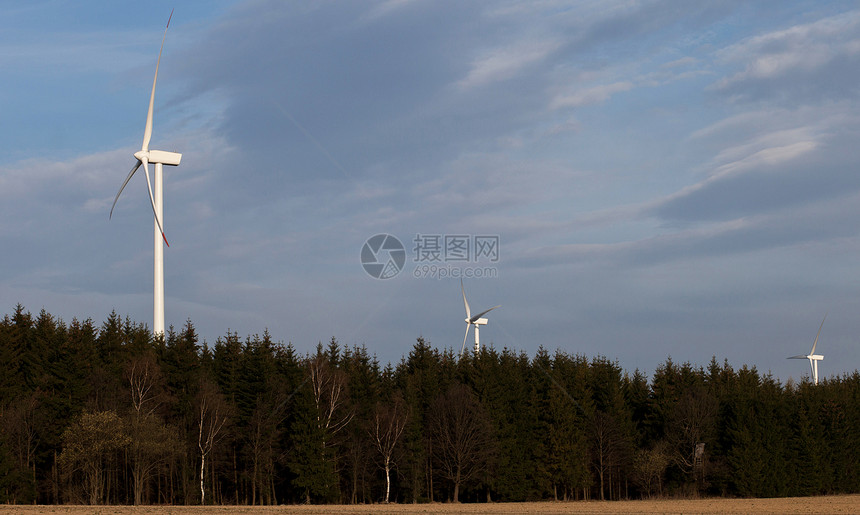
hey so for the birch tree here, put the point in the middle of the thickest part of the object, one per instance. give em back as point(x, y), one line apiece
point(144, 381)
point(152, 442)
point(212, 415)
point(330, 397)
point(389, 421)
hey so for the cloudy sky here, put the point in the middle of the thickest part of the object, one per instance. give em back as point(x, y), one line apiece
point(665, 178)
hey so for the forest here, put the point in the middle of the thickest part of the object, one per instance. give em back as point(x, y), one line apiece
point(110, 414)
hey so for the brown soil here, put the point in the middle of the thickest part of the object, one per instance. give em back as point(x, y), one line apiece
point(827, 504)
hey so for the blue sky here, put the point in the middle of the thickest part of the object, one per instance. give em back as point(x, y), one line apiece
point(666, 178)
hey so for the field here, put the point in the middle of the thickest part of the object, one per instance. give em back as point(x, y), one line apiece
point(828, 504)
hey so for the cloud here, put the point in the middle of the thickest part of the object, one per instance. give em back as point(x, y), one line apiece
point(63, 185)
point(493, 183)
point(766, 160)
point(683, 61)
point(385, 8)
point(832, 223)
point(820, 55)
point(590, 96)
point(503, 63)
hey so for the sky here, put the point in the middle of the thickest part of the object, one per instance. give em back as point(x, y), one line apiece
point(641, 179)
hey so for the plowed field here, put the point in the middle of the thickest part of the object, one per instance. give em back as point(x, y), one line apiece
point(828, 504)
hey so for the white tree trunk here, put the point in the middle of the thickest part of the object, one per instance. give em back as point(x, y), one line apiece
point(387, 481)
point(202, 491)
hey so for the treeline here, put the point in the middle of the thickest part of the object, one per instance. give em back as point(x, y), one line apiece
point(111, 415)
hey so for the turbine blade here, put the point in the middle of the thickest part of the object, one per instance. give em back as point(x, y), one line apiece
point(816, 336)
point(463, 348)
point(465, 302)
point(152, 201)
point(133, 169)
point(797, 357)
point(479, 315)
point(147, 131)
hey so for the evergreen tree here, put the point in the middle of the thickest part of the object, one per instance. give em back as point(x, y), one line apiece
point(310, 460)
point(298, 429)
point(420, 379)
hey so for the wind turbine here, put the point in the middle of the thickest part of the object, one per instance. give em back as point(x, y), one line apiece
point(159, 158)
point(812, 356)
point(473, 321)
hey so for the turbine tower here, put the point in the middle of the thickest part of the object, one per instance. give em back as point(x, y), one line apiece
point(812, 356)
point(158, 158)
point(473, 321)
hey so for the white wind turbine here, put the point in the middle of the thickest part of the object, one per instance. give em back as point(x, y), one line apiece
point(159, 158)
point(473, 321)
point(812, 356)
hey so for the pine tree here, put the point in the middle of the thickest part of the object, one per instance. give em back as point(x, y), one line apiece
point(420, 379)
point(310, 459)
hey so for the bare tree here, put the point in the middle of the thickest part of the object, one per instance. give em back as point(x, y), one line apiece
point(89, 444)
point(461, 434)
point(152, 444)
point(329, 390)
point(144, 380)
point(649, 465)
point(212, 414)
point(19, 426)
point(389, 421)
point(691, 422)
point(331, 409)
point(262, 435)
point(605, 447)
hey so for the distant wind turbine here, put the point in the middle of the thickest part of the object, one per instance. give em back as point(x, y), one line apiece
point(812, 356)
point(473, 321)
point(159, 158)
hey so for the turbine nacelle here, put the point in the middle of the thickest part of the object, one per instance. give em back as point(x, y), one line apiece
point(158, 156)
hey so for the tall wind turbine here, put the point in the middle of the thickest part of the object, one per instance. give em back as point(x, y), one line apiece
point(812, 356)
point(473, 321)
point(159, 158)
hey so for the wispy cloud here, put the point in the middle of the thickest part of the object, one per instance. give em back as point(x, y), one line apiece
point(504, 63)
point(385, 8)
point(590, 96)
point(801, 48)
point(811, 224)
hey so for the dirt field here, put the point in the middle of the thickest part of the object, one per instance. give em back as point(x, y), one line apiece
point(829, 504)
